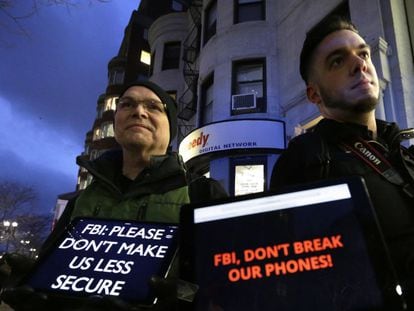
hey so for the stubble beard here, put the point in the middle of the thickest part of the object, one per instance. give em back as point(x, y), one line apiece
point(364, 105)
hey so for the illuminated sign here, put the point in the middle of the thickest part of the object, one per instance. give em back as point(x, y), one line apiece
point(234, 134)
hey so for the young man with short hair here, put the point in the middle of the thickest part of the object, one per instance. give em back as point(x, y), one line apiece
point(342, 82)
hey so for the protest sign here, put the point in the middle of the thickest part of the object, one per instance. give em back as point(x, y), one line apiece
point(316, 248)
point(107, 257)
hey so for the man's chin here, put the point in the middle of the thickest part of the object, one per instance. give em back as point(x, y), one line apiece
point(365, 105)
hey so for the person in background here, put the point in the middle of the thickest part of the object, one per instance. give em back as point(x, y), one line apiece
point(140, 181)
point(341, 80)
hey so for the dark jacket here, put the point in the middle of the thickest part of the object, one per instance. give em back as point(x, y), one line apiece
point(317, 155)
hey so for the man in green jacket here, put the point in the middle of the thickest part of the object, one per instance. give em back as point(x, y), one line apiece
point(142, 180)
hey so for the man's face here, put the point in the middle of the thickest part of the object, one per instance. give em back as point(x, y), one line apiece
point(343, 79)
point(141, 122)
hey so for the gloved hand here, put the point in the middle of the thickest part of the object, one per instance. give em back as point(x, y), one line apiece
point(165, 289)
point(24, 298)
point(13, 267)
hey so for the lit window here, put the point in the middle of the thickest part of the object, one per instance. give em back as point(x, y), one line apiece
point(110, 103)
point(97, 134)
point(107, 130)
point(89, 180)
point(145, 57)
point(82, 184)
point(248, 179)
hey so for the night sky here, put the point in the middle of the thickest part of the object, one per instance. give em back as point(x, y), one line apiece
point(53, 67)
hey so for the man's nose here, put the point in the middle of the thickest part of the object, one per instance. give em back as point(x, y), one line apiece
point(358, 64)
point(140, 110)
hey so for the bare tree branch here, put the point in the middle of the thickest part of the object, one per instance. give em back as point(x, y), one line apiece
point(15, 11)
point(15, 199)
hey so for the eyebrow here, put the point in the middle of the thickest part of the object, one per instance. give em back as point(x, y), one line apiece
point(134, 98)
point(342, 50)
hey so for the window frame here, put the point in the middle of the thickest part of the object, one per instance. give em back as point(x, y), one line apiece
point(205, 86)
point(409, 9)
point(209, 30)
point(248, 6)
point(261, 102)
point(171, 62)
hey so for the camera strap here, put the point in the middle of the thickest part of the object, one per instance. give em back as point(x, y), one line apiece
point(367, 153)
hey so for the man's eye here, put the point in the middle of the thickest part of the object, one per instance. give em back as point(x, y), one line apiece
point(154, 106)
point(365, 55)
point(125, 104)
point(336, 62)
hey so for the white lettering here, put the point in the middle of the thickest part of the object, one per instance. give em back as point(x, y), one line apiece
point(88, 285)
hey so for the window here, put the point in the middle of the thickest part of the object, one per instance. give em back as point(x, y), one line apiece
point(107, 130)
point(145, 34)
point(94, 154)
point(177, 6)
point(82, 184)
point(210, 21)
point(145, 57)
point(207, 100)
point(97, 134)
point(409, 8)
point(249, 10)
point(116, 76)
point(249, 78)
point(249, 175)
point(171, 59)
point(100, 110)
point(110, 103)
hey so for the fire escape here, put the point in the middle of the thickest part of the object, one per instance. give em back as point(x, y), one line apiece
point(187, 103)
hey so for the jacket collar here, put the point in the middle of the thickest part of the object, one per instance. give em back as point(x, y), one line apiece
point(109, 164)
point(336, 131)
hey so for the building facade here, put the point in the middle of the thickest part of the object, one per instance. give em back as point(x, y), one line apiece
point(233, 67)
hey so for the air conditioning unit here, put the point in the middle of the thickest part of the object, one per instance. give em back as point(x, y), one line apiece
point(243, 101)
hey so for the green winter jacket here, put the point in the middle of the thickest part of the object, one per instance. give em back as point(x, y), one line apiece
point(155, 195)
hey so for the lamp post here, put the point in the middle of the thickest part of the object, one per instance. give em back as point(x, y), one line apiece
point(10, 228)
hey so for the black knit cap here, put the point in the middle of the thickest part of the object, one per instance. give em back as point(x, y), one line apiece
point(315, 36)
point(166, 99)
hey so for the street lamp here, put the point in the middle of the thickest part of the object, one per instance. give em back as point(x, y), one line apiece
point(10, 227)
point(32, 252)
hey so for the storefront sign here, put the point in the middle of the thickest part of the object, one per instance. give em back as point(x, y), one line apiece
point(234, 134)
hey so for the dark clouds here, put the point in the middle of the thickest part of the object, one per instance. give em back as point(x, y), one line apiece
point(45, 181)
point(49, 84)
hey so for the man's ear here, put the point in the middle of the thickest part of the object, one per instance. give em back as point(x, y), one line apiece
point(312, 92)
